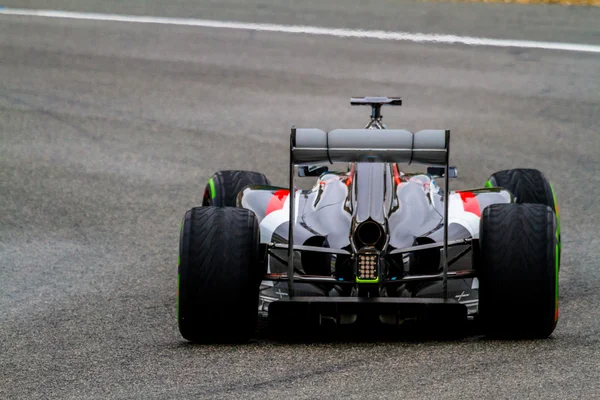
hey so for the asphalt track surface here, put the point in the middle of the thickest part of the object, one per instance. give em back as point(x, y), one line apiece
point(109, 131)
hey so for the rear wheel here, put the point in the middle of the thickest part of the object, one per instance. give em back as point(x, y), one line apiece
point(224, 186)
point(518, 273)
point(219, 275)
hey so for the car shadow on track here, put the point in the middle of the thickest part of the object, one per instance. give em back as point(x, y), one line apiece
point(368, 332)
point(269, 333)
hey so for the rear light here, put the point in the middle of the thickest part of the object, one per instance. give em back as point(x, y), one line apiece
point(367, 266)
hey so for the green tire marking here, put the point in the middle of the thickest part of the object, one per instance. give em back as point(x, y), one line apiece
point(555, 210)
point(177, 297)
point(556, 280)
point(211, 183)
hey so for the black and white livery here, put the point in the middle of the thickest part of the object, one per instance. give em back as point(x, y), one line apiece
point(371, 241)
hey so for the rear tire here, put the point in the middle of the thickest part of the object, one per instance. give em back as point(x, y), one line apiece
point(219, 275)
point(518, 273)
point(223, 188)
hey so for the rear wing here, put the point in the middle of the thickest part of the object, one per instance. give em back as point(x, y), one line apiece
point(314, 146)
point(376, 103)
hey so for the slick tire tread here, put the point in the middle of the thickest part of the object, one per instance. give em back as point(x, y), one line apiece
point(219, 275)
point(228, 184)
point(518, 274)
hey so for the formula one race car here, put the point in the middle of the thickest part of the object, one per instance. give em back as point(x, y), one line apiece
point(371, 242)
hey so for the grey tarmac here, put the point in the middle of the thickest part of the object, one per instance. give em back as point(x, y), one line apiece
point(109, 131)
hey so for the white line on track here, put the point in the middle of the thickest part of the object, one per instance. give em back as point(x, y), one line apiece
point(310, 30)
